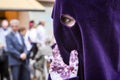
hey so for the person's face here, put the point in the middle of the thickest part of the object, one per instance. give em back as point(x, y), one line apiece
point(77, 21)
point(31, 24)
point(66, 26)
point(5, 24)
point(67, 16)
point(14, 27)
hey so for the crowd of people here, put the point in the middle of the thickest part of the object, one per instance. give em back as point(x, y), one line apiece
point(16, 45)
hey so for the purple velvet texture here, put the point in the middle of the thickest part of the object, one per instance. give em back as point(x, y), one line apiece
point(96, 36)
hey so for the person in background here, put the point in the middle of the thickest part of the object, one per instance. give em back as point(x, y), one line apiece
point(17, 53)
point(31, 35)
point(44, 48)
point(4, 30)
point(31, 44)
point(41, 33)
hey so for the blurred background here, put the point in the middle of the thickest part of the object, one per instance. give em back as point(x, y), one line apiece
point(37, 11)
point(26, 10)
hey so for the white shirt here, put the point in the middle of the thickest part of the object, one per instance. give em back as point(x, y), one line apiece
point(3, 34)
point(41, 34)
point(17, 34)
point(32, 35)
point(27, 42)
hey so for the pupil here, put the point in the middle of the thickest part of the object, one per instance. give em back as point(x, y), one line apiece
point(65, 19)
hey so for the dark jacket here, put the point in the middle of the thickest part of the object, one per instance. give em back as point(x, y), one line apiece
point(15, 49)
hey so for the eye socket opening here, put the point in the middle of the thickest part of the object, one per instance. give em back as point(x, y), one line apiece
point(67, 20)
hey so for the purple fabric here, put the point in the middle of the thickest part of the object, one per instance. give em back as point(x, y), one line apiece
point(49, 78)
point(96, 36)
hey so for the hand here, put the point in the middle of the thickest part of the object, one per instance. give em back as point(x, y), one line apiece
point(61, 71)
point(23, 56)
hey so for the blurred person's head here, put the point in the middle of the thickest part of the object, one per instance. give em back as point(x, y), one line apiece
point(42, 23)
point(14, 24)
point(31, 24)
point(4, 24)
point(22, 31)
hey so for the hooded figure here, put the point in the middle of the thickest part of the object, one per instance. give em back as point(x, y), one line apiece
point(92, 27)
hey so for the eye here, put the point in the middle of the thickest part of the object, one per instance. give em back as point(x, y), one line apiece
point(68, 20)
